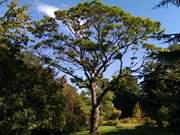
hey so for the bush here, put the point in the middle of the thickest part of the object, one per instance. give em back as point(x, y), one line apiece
point(137, 111)
point(130, 122)
point(116, 114)
point(162, 116)
point(75, 115)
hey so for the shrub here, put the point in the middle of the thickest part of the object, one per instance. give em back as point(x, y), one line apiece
point(75, 115)
point(137, 111)
point(116, 114)
point(162, 116)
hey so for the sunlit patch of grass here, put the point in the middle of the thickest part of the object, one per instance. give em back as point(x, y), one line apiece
point(128, 125)
point(102, 130)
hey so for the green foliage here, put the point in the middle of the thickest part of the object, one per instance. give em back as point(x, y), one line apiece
point(75, 114)
point(107, 106)
point(138, 111)
point(40, 29)
point(161, 85)
point(116, 114)
point(171, 55)
point(14, 26)
point(163, 114)
point(126, 94)
point(29, 97)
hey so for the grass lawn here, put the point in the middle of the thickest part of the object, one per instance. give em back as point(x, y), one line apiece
point(141, 130)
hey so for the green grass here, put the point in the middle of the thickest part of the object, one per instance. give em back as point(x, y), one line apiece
point(140, 130)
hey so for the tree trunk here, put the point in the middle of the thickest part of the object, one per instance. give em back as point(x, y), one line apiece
point(94, 119)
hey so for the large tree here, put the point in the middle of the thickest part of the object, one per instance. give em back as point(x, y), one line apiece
point(96, 37)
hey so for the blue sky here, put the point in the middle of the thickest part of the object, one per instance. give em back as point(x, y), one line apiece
point(168, 17)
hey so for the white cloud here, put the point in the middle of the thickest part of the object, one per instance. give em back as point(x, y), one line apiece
point(47, 9)
point(50, 9)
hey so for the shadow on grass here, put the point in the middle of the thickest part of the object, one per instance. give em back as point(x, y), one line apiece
point(140, 130)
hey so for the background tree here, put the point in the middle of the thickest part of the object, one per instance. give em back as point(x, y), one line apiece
point(97, 36)
point(161, 84)
point(173, 58)
point(29, 98)
point(14, 26)
point(106, 108)
point(76, 116)
point(126, 94)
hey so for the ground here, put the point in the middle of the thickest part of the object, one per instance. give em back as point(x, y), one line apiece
point(141, 130)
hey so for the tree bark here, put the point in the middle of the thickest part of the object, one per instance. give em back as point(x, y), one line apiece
point(94, 119)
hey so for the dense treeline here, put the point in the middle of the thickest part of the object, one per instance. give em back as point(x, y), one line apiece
point(30, 97)
point(35, 100)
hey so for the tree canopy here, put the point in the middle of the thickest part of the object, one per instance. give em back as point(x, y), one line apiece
point(166, 3)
